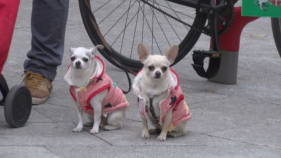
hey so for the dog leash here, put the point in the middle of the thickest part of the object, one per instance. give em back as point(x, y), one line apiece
point(116, 60)
point(130, 83)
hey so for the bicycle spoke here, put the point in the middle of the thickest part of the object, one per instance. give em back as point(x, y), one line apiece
point(111, 12)
point(171, 26)
point(125, 26)
point(117, 25)
point(173, 9)
point(101, 6)
point(166, 13)
point(162, 30)
point(152, 33)
point(152, 29)
point(134, 33)
point(176, 14)
point(119, 19)
point(142, 24)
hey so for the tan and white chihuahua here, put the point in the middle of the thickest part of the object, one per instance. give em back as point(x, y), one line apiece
point(160, 99)
point(94, 92)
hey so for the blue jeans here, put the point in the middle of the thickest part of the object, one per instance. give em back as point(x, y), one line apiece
point(48, 23)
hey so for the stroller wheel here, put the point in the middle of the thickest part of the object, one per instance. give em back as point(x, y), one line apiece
point(17, 106)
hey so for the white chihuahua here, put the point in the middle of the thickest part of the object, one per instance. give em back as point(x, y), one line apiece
point(94, 91)
point(160, 99)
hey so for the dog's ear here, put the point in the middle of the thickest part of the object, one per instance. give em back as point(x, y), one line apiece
point(95, 49)
point(172, 53)
point(143, 52)
point(71, 50)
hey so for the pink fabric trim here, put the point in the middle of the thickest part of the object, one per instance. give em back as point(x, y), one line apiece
point(103, 68)
point(97, 92)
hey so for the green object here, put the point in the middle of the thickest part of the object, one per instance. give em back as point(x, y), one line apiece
point(114, 84)
point(261, 8)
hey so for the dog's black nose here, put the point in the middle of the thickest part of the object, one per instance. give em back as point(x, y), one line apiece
point(78, 63)
point(157, 74)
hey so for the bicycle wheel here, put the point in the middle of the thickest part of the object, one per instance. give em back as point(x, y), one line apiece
point(276, 29)
point(119, 25)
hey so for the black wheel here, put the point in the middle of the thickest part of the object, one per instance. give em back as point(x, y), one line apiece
point(120, 25)
point(276, 29)
point(3, 88)
point(17, 106)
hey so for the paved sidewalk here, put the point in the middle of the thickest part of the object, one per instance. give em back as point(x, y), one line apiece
point(241, 120)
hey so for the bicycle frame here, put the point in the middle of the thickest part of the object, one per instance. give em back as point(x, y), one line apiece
point(211, 9)
point(189, 3)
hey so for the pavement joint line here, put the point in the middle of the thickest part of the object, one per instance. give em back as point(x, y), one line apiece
point(270, 103)
point(261, 145)
point(63, 106)
point(147, 145)
point(107, 142)
point(238, 126)
point(253, 100)
point(195, 103)
point(96, 136)
point(132, 120)
point(26, 145)
point(49, 122)
point(271, 73)
point(50, 151)
point(43, 115)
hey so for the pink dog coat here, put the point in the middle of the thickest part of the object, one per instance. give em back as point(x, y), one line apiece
point(174, 100)
point(114, 100)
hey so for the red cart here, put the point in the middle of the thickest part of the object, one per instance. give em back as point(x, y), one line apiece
point(17, 100)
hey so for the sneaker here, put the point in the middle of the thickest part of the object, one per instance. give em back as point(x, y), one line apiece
point(39, 87)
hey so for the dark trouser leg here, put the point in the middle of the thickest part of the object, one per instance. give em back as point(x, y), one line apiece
point(48, 23)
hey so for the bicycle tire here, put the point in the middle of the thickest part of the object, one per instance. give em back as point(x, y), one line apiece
point(122, 61)
point(276, 30)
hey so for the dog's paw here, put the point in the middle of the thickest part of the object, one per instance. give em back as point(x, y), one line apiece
point(94, 131)
point(88, 124)
point(110, 128)
point(77, 129)
point(145, 134)
point(161, 137)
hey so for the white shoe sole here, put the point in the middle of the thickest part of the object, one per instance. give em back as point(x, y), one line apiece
point(37, 101)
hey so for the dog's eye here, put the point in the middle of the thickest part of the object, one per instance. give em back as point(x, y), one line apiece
point(151, 68)
point(85, 59)
point(72, 58)
point(164, 68)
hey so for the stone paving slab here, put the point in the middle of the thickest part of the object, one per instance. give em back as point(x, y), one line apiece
point(229, 150)
point(25, 151)
point(46, 134)
point(239, 120)
point(255, 134)
point(35, 117)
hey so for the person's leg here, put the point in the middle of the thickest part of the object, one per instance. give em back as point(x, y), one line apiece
point(48, 24)
point(8, 15)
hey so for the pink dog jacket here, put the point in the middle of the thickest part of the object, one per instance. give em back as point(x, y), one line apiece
point(114, 100)
point(174, 101)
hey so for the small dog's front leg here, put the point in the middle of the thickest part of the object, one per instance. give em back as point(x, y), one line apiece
point(165, 126)
point(144, 133)
point(97, 118)
point(79, 126)
point(96, 104)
